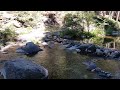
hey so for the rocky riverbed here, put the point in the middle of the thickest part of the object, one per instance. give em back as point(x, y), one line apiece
point(63, 57)
point(83, 48)
point(62, 64)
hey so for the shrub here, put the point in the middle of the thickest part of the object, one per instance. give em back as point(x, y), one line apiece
point(97, 40)
point(71, 33)
point(98, 32)
point(7, 35)
point(72, 21)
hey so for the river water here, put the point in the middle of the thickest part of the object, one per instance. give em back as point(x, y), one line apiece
point(62, 64)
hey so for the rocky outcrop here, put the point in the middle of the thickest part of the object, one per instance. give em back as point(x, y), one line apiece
point(23, 69)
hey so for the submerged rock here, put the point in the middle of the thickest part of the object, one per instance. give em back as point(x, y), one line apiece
point(91, 66)
point(23, 69)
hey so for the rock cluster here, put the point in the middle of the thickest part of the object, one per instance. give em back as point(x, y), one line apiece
point(91, 66)
point(83, 48)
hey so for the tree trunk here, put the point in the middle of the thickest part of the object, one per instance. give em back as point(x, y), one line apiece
point(112, 13)
point(118, 13)
point(103, 13)
point(88, 28)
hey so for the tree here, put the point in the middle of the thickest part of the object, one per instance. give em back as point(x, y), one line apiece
point(88, 16)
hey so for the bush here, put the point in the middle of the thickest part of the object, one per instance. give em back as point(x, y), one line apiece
point(97, 40)
point(71, 33)
point(72, 21)
point(76, 34)
point(98, 32)
point(109, 25)
point(7, 35)
point(72, 26)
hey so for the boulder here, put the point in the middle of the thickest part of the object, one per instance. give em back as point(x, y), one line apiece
point(91, 49)
point(105, 75)
point(49, 35)
point(56, 33)
point(90, 65)
point(51, 44)
point(23, 69)
point(59, 40)
point(72, 48)
point(78, 50)
point(67, 37)
point(99, 52)
point(29, 49)
point(70, 45)
point(83, 47)
point(107, 52)
point(115, 54)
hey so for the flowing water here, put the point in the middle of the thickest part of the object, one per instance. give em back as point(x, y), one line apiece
point(62, 64)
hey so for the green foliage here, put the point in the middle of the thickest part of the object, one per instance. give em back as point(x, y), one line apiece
point(73, 22)
point(98, 32)
point(97, 40)
point(7, 35)
point(99, 35)
point(87, 35)
point(109, 25)
point(112, 24)
point(107, 40)
point(99, 22)
point(109, 30)
point(72, 26)
point(76, 34)
point(88, 16)
point(71, 33)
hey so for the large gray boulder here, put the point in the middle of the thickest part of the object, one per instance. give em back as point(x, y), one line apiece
point(29, 49)
point(23, 69)
point(91, 49)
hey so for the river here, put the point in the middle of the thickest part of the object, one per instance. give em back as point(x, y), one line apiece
point(68, 65)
